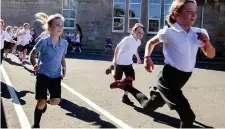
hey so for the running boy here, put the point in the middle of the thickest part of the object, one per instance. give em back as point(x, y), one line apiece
point(123, 56)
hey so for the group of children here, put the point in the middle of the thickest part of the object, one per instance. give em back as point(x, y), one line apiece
point(14, 39)
point(75, 41)
point(180, 41)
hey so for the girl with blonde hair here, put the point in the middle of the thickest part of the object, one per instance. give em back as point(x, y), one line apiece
point(51, 66)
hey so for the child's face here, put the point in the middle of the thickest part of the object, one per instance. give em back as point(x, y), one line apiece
point(57, 27)
point(188, 15)
point(26, 27)
point(139, 33)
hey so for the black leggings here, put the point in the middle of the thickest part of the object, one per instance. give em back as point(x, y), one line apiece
point(168, 91)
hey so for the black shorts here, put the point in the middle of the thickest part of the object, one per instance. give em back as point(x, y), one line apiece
point(7, 45)
point(126, 69)
point(44, 83)
point(77, 44)
point(22, 48)
point(108, 46)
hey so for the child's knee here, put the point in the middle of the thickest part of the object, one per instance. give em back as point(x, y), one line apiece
point(55, 101)
point(41, 103)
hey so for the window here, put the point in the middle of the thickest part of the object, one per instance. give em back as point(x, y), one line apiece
point(69, 14)
point(119, 7)
point(154, 16)
point(134, 13)
point(166, 10)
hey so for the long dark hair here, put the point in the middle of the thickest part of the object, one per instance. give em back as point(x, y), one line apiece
point(80, 30)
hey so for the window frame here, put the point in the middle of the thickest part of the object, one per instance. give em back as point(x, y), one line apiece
point(69, 9)
point(118, 31)
point(129, 18)
point(159, 19)
point(165, 16)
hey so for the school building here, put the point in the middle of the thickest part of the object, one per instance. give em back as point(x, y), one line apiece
point(98, 17)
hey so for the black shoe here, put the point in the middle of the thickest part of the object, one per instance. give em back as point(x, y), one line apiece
point(45, 108)
point(109, 70)
point(126, 100)
point(35, 126)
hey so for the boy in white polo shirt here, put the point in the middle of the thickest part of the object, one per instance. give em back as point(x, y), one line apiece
point(123, 56)
point(180, 45)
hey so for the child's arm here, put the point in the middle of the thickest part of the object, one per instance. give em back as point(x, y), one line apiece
point(63, 66)
point(148, 63)
point(8, 38)
point(205, 44)
point(207, 49)
point(138, 57)
point(115, 55)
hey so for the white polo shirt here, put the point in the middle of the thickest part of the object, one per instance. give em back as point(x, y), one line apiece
point(127, 48)
point(4, 36)
point(25, 38)
point(179, 47)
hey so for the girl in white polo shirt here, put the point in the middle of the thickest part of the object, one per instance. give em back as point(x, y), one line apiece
point(123, 56)
point(23, 39)
point(4, 37)
point(180, 45)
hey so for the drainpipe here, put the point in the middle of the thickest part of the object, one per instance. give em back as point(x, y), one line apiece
point(202, 13)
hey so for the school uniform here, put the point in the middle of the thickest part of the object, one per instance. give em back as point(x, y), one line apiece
point(180, 50)
point(8, 45)
point(3, 37)
point(49, 75)
point(77, 41)
point(23, 40)
point(127, 48)
point(108, 43)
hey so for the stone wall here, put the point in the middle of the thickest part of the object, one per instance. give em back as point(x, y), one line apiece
point(214, 22)
point(95, 19)
point(17, 12)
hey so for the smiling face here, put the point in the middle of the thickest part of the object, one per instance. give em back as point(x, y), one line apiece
point(56, 27)
point(139, 33)
point(188, 15)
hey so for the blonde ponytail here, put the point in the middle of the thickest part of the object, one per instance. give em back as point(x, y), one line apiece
point(43, 18)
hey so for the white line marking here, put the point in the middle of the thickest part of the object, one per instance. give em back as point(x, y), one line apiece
point(99, 109)
point(17, 105)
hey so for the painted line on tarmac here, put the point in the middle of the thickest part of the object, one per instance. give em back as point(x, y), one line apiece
point(17, 105)
point(99, 109)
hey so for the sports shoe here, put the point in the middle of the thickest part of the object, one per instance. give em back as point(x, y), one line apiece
point(35, 127)
point(122, 83)
point(109, 70)
point(126, 100)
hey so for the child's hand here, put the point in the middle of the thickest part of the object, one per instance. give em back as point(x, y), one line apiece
point(63, 72)
point(203, 37)
point(36, 67)
point(148, 64)
point(139, 61)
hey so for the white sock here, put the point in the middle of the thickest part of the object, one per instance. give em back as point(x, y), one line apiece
point(126, 92)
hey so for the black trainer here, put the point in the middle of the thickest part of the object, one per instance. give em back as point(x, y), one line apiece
point(109, 70)
point(35, 126)
point(126, 100)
